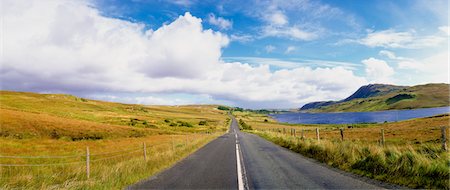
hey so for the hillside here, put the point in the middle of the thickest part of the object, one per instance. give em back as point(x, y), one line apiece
point(31, 115)
point(377, 97)
point(49, 129)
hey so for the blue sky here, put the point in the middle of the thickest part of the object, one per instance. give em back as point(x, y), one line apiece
point(255, 54)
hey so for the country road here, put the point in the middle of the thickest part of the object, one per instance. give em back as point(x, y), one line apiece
point(239, 160)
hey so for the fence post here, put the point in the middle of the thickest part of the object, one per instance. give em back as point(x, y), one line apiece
point(87, 162)
point(284, 131)
point(303, 134)
point(317, 134)
point(444, 138)
point(342, 134)
point(295, 133)
point(145, 151)
point(382, 137)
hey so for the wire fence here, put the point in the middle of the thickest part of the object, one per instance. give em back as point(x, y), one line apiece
point(21, 161)
point(342, 134)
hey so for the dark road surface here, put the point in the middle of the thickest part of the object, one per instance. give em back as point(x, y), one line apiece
point(263, 165)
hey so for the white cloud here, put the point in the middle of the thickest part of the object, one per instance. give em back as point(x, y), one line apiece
point(393, 39)
point(185, 3)
point(402, 62)
point(294, 63)
point(270, 48)
point(241, 38)
point(378, 71)
point(445, 29)
point(68, 46)
point(289, 49)
point(220, 22)
point(277, 18)
point(294, 32)
point(386, 53)
point(433, 68)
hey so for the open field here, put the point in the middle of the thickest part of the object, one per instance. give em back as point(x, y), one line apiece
point(51, 133)
point(412, 154)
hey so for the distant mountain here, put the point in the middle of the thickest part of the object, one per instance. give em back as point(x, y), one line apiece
point(376, 97)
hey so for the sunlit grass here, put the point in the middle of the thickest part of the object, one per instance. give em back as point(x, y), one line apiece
point(124, 166)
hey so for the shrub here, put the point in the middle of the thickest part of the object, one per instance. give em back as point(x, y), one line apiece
point(244, 125)
point(184, 124)
point(203, 122)
point(223, 108)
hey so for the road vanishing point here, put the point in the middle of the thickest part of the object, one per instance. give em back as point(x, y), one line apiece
point(238, 160)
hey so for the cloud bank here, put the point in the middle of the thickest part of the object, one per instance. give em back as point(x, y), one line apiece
point(69, 47)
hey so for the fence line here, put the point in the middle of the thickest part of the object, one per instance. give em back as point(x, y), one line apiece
point(54, 164)
point(37, 157)
point(124, 152)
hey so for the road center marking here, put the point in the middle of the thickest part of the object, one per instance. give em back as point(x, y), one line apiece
point(239, 170)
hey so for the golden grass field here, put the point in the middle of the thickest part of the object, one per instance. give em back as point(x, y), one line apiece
point(412, 155)
point(40, 125)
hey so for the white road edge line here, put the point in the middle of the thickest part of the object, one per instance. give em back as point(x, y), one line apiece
point(239, 172)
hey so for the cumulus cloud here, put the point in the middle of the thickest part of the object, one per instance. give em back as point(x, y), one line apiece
point(394, 39)
point(378, 71)
point(69, 47)
point(220, 22)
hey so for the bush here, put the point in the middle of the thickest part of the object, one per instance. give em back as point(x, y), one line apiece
point(223, 108)
point(203, 122)
point(244, 125)
point(184, 124)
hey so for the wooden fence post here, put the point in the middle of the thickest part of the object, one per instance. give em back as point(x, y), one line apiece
point(87, 162)
point(295, 133)
point(444, 138)
point(382, 137)
point(144, 148)
point(284, 130)
point(317, 134)
point(342, 134)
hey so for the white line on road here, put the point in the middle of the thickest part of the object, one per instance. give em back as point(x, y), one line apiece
point(239, 172)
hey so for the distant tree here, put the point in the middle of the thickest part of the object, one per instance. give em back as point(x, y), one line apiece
point(223, 108)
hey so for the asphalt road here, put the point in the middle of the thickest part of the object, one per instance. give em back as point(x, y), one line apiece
point(262, 165)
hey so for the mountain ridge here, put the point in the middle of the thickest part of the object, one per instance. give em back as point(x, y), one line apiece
point(378, 97)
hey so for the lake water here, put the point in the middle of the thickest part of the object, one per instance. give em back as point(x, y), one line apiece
point(357, 117)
